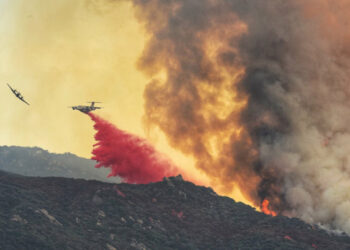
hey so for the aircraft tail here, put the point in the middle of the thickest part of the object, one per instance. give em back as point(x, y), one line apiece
point(93, 104)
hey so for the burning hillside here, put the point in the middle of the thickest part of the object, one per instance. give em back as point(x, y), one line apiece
point(253, 90)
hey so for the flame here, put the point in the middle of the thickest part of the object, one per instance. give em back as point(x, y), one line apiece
point(243, 93)
point(193, 94)
point(265, 208)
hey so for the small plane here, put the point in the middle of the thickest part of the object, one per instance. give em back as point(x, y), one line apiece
point(86, 109)
point(17, 94)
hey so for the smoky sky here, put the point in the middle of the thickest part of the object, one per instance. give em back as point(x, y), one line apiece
point(257, 91)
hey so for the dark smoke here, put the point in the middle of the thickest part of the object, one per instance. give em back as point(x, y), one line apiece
point(128, 156)
point(257, 91)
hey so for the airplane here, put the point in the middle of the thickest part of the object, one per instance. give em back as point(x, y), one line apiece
point(86, 109)
point(17, 94)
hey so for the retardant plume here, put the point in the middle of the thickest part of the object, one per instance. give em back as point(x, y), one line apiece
point(257, 91)
point(128, 156)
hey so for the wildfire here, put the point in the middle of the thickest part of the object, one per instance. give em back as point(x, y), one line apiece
point(265, 208)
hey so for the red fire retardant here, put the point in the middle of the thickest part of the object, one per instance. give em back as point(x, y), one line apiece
point(128, 156)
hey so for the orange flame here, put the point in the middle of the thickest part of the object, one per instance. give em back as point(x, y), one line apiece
point(265, 208)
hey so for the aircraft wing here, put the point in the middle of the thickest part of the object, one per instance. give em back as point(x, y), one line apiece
point(24, 101)
point(11, 88)
point(18, 95)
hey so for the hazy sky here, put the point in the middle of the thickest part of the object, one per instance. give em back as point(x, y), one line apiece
point(64, 53)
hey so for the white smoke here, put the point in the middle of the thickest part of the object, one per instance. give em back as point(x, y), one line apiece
point(313, 157)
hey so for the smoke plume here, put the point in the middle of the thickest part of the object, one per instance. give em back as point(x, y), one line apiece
point(128, 156)
point(257, 91)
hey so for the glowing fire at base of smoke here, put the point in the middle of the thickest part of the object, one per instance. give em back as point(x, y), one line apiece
point(248, 66)
point(265, 208)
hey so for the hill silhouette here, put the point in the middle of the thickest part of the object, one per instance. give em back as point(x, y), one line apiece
point(39, 162)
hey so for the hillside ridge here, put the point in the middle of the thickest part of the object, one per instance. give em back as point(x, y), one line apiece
point(63, 213)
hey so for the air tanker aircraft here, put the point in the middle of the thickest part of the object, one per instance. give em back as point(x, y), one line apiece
point(17, 94)
point(86, 109)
